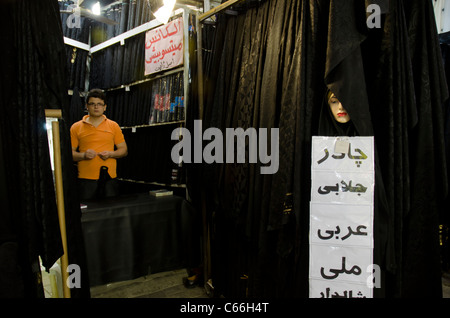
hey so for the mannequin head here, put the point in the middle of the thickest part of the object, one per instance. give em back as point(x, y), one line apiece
point(338, 111)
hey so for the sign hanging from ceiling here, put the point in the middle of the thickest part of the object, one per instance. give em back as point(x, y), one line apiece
point(164, 47)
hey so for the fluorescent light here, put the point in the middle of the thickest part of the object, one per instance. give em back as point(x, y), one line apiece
point(169, 3)
point(163, 13)
point(96, 9)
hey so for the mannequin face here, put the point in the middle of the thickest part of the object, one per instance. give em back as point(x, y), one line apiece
point(339, 112)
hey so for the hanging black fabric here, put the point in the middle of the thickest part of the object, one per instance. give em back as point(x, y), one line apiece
point(291, 185)
point(77, 107)
point(427, 153)
point(76, 58)
point(31, 191)
point(120, 64)
point(148, 159)
point(403, 116)
point(392, 90)
point(73, 27)
point(35, 68)
point(444, 215)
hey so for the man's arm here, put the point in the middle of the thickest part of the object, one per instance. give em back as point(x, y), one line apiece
point(121, 151)
point(78, 156)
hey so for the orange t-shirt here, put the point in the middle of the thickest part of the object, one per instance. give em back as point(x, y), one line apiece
point(85, 136)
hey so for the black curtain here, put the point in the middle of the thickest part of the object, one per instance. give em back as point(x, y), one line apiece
point(34, 79)
point(270, 66)
point(76, 58)
point(410, 141)
point(149, 158)
point(445, 216)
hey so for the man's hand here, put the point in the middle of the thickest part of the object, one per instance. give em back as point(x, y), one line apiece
point(79, 156)
point(105, 154)
point(89, 154)
point(122, 151)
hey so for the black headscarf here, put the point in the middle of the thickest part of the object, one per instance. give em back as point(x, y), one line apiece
point(328, 126)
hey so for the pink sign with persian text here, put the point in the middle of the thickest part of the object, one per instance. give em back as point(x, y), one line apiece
point(164, 47)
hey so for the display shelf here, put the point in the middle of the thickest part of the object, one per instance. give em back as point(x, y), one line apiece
point(77, 44)
point(122, 37)
point(217, 9)
point(149, 79)
point(156, 124)
point(172, 185)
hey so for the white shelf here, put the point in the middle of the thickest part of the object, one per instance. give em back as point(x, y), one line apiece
point(77, 44)
point(149, 78)
point(122, 37)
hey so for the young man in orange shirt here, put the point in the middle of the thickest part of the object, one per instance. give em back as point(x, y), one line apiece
point(96, 144)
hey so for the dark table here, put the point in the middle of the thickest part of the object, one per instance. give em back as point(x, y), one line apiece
point(135, 235)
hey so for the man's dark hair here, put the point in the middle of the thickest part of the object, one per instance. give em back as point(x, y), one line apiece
point(96, 93)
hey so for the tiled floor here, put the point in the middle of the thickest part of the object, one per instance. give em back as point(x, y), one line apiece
point(160, 285)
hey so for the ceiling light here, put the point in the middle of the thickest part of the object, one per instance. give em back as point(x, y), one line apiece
point(163, 13)
point(96, 9)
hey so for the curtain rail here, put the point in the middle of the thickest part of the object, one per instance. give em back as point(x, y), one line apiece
point(217, 9)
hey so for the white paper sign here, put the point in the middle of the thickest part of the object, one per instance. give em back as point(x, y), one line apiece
point(359, 156)
point(341, 217)
point(334, 224)
point(338, 263)
point(164, 47)
point(342, 187)
point(323, 289)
